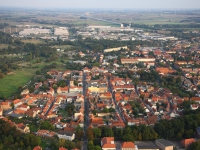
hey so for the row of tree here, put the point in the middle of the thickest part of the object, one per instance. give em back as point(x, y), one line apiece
point(11, 138)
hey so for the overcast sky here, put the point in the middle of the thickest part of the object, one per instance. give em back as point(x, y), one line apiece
point(134, 4)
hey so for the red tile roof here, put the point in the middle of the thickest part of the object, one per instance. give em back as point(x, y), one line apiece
point(128, 145)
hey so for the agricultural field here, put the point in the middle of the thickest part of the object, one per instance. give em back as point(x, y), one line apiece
point(34, 41)
point(2, 46)
point(64, 47)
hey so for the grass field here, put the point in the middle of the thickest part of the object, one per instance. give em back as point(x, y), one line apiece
point(10, 83)
point(34, 41)
point(2, 46)
point(95, 22)
point(64, 47)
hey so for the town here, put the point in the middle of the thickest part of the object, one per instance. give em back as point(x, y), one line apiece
point(113, 88)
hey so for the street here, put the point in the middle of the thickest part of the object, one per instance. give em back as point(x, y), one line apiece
point(86, 114)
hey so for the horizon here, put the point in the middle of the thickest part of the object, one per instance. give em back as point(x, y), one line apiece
point(103, 4)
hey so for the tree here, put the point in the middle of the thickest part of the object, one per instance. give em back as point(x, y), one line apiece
point(79, 144)
point(46, 125)
point(90, 146)
point(128, 137)
point(194, 146)
point(90, 134)
point(61, 142)
point(97, 147)
point(97, 132)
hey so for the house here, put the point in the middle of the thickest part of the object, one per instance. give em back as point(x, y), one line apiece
point(107, 143)
point(62, 148)
point(164, 144)
point(186, 142)
point(63, 90)
point(24, 107)
point(66, 135)
point(45, 133)
point(163, 70)
point(17, 102)
point(26, 91)
point(5, 105)
point(23, 128)
point(76, 89)
point(60, 125)
point(37, 148)
point(1, 112)
point(128, 146)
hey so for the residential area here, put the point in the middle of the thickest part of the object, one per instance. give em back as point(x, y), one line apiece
point(118, 103)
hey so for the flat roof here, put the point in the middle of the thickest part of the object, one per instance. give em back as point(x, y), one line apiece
point(164, 142)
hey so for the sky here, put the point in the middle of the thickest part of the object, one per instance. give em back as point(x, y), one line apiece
point(115, 4)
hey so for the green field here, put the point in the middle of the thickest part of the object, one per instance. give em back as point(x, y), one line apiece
point(10, 83)
point(95, 22)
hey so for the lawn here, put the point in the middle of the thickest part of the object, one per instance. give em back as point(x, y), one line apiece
point(63, 113)
point(10, 83)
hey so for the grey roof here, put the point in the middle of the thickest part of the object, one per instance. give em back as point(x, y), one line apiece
point(148, 147)
point(198, 130)
point(15, 115)
point(164, 142)
point(65, 133)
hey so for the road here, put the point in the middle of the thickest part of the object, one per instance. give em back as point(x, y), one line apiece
point(86, 113)
point(116, 106)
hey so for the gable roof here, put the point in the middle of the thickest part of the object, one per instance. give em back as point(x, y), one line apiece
point(128, 145)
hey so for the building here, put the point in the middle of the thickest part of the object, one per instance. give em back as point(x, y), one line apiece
point(163, 70)
point(129, 146)
point(164, 144)
point(108, 143)
point(1, 112)
point(62, 148)
point(35, 31)
point(23, 128)
point(114, 49)
point(61, 31)
point(37, 148)
point(63, 90)
point(26, 91)
point(80, 62)
point(5, 105)
point(66, 135)
point(136, 60)
point(186, 142)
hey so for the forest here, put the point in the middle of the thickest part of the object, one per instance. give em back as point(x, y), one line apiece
point(11, 138)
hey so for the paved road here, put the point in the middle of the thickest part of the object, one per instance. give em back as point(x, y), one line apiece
point(116, 106)
point(86, 113)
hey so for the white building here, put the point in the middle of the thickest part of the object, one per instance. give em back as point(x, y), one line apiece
point(66, 135)
point(61, 31)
